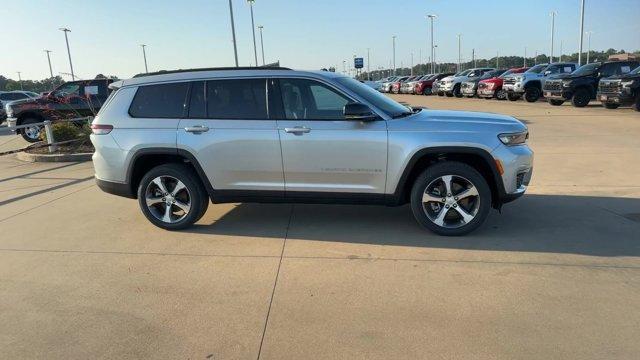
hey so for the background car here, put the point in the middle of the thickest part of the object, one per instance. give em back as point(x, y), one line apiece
point(529, 84)
point(8, 96)
point(407, 86)
point(395, 86)
point(492, 87)
point(451, 85)
point(425, 86)
point(620, 90)
point(385, 87)
point(468, 88)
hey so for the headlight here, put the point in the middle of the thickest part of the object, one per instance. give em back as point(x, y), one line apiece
point(8, 110)
point(627, 83)
point(519, 78)
point(566, 83)
point(514, 138)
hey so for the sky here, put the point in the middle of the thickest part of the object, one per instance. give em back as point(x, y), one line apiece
point(106, 35)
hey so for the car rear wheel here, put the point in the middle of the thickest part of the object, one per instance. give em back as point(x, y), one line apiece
point(456, 91)
point(581, 98)
point(172, 197)
point(556, 102)
point(31, 133)
point(532, 94)
point(450, 199)
point(611, 106)
point(501, 95)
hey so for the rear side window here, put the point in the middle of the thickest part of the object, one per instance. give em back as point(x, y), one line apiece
point(237, 99)
point(159, 101)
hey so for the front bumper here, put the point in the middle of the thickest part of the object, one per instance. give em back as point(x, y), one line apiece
point(488, 93)
point(447, 87)
point(621, 98)
point(517, 163)
point(514, 88)
point(12, 123)
point(557, 94)
point(468, 91)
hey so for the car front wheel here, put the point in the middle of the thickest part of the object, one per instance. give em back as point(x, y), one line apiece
point(532, 94)
point(581, 98)
point(450, 199)
point(611, 106)
point(636, 105)
point(172, 197)
point(31, 133)
point(512, 97)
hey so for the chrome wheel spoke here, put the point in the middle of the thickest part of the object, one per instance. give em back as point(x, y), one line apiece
point(447, 183)
point(153, 200)
point(179, 186)
point(167, 213)
point(439, 220)
point(472, 191)
point(183, 206)
point(466, 217)
point(160, 185)
point(426, 197)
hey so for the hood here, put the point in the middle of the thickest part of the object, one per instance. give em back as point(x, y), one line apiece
point(563, 76)
point(624, 76)
point(25, 101)
point(458, 121)
point(448, 78)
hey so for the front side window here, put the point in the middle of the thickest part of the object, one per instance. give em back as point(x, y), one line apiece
point(237, 99)
point(67, 90)
point(310, 100)
point(382, 102)
point(159, 101)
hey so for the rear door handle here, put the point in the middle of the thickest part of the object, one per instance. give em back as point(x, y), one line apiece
point(196, 129)
point(297, 130)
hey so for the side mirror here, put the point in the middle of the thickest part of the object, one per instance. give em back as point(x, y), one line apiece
point(358, 112)
point(547, 72)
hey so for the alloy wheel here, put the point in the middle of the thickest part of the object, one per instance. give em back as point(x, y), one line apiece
point(451, 201)
point(168, 199)
point(32, 132)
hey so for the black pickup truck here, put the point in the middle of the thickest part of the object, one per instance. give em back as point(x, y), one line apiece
point(621, 90)
point(70, 100)
point(581, 85)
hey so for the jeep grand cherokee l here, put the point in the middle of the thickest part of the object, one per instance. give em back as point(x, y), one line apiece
point(176, 141)
point(581, 86)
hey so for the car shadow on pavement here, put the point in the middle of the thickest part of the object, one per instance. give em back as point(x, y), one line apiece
point(585, 225)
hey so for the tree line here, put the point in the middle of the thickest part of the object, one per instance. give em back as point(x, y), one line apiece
point(37, 86)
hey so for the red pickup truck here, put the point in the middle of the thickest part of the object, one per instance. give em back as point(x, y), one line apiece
point(492, 88)
point(424, 86)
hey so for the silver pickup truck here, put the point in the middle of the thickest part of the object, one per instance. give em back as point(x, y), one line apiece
point(529, 83)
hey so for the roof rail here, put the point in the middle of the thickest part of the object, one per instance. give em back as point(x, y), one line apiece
point(162, 72)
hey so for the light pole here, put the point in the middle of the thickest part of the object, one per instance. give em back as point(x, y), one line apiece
point(394, 54)
point(49, 60)
point(553, 24)
point(459, 51)
point(233, 33)
point(588, 44)
point(65, 30)
point(560, 57)
point(412, 64)
point(20, 80)
point(535, 59)
point(253, 31)
point(473, 57)
point(434, 56)
point(344, 67)
point(497, 59)
point(144, 55)
point(368, 66)
point(525, 57)
point(581, 32)
point(433, 49)
point(260, 27)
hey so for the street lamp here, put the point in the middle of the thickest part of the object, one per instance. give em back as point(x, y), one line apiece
point(144, 55)
point(394, 54)
point(459, 51)
point(260, 27)
point(433, 49)
point(553, 23)
point(20, 80)
point(49, 60)
point(368, 66)
point(65, 30)
point(588, 43)
point(233, 33)
point(581, 32)
point(253, 31)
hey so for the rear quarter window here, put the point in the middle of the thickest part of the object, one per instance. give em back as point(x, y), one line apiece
point(159, 101)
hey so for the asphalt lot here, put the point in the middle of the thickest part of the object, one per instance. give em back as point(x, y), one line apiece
point(555, 276)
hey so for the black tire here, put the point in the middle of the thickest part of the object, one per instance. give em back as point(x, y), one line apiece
point(28, 134)
point(513, 97)
point(456, 91)
point(449, 94)
point(501, 95)
point(581, 98)
point(532, 94)
point(458, 171)
point(440, 93)
point(636, 105)
point(427, 91)
point(611, 106)
point(556, 102)
point(199, 200)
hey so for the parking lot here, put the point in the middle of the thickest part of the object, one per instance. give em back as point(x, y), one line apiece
point(555, 276)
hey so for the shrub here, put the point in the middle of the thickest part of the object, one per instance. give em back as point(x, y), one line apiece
point(64, 131)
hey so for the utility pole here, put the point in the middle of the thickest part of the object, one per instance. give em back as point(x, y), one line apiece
point(233, 33)
point(588, 44)
point(497, 59)
point(368, 66)
point(433, 48)
point(144, 55)
point(459, 52)
point(473, 57)
point(553, 24)
point(434, 57)
point(394, 54)
point(65, 30)
point(560, 59)
point(253, 31)
point(525, 57)
point(20, 80)
point(49, 60)
point(260, 27)
point(581, 32)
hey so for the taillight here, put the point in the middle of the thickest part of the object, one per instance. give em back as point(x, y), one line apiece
point(101, 129)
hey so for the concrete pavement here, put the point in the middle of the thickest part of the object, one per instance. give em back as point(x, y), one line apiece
point(555, 276)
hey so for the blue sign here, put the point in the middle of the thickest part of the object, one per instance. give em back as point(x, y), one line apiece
point(358, 63)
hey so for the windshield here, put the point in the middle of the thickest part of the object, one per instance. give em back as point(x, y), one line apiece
point(635, 71)
point(586, 69)
point(463, 73)
point(382, 102)
point(491, 74)
point(505, 74)
point(537, 69)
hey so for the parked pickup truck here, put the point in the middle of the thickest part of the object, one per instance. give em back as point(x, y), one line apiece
point(469, 87)
point(529, 84)
point(581, 86)
point(451, 85)
point(492, 87)
point(621, 90)
point(70, 100)
point(427, 86)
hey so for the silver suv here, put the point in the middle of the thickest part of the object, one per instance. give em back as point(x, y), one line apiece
point(178, 139)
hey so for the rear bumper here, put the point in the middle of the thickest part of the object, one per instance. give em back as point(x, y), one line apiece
point(114, 188)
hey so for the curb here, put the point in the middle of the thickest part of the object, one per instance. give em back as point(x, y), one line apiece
point(54, 157)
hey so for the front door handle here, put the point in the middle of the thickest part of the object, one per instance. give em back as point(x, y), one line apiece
point(297, 130)
point(196, 129)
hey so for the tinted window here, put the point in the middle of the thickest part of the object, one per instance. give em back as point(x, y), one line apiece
point(237, 99)
point(197, 106)
point(307, 99)
point(159, 101)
